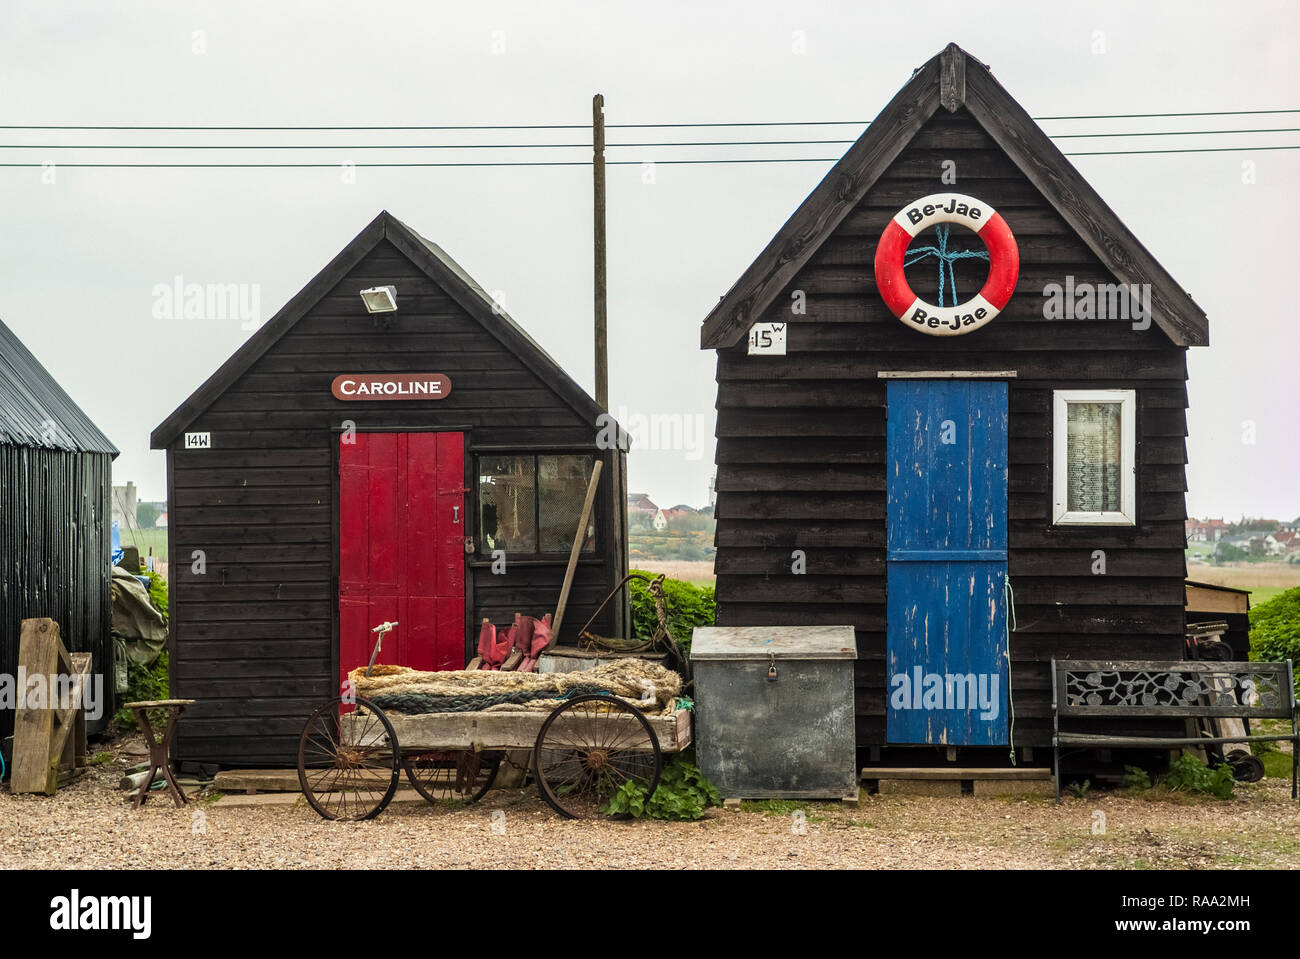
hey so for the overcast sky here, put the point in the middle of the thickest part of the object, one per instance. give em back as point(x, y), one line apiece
point(80, 257)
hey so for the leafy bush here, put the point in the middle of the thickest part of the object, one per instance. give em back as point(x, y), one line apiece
point(682, 795)
point(688, 606)
point(1275, 628)
point(1189, 774)
point(1186, 774)
point(1135, 777)
point(143, 683)
point(158, 592)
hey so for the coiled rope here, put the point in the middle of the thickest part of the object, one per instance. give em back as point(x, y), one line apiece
point(428, 703)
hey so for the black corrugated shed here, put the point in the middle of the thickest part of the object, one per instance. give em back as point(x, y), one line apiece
point(55, 541)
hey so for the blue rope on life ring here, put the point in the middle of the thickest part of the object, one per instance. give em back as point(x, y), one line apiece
point(946, 258)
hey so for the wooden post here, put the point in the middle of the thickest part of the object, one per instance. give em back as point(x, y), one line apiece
point(574, 553)
point(598, 184)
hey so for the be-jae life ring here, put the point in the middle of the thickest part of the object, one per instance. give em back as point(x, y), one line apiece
point(1004, 264)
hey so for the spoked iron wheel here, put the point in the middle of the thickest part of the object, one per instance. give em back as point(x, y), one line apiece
point(348, 760)
point(587, 749)
point(458, 775)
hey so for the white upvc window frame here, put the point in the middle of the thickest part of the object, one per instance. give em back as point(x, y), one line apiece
point(1126, 515)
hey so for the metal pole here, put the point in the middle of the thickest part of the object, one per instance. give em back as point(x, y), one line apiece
point(598, 184)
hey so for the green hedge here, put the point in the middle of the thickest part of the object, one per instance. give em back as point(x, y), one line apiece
point(1275, 628)
point(688, 606)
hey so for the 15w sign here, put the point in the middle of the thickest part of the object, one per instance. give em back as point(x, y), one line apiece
point(767, 339)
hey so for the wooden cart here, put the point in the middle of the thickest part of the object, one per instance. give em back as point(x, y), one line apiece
point(351, 754)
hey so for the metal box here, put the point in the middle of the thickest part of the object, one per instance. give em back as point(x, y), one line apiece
point(774, 710)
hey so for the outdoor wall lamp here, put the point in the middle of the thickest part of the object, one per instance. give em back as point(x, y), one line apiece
point(380, 299)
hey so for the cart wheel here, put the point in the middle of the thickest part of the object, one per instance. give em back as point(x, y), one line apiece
point(348, 760)
point(588, 748)
point(460, 774)
point(1246, 767)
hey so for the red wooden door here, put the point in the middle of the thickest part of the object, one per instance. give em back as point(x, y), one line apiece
point(401, 516)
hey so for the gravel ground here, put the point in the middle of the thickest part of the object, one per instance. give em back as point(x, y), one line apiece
point(89, 825)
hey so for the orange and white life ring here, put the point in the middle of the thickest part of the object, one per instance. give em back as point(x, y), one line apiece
point(979, 217)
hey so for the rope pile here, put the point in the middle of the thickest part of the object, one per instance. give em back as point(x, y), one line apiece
point(650, 687)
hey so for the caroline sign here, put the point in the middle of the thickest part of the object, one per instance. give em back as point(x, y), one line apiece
point(388, 386)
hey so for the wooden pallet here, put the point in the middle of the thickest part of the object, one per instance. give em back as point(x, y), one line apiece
point(49, 741)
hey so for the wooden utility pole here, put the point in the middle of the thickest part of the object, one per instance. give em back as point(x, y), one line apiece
point(598, 184)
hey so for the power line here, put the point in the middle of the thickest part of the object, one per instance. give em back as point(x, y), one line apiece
point(555, 146)
point(584, 126)
point(1169, 133)
point(1103, 153)
point(1133, 116)
point(567, 163)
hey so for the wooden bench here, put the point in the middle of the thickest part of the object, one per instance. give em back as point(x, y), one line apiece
point(1185, 689)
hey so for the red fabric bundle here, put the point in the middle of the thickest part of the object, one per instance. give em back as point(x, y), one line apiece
point(538, 637)
point(494, 647)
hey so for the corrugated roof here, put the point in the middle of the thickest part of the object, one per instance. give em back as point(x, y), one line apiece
point(35, 410)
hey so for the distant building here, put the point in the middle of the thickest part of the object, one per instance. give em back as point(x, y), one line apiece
point(1207, 530)
point(125, 502)
point(641, 504)
point(1280, 544)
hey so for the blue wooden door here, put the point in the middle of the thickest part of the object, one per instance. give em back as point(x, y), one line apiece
point(946, 562)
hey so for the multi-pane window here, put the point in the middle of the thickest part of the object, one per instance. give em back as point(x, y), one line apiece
point(532, 504)
point(1094, 457)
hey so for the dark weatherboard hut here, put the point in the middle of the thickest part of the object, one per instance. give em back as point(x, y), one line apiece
point(55, 542)
point(425, 465)
point(894, 447)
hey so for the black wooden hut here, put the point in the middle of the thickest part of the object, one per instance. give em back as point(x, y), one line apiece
point(55, 541)
point(892, 464)
point(425, 465)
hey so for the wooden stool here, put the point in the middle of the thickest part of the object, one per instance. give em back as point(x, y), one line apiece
point(160, 751)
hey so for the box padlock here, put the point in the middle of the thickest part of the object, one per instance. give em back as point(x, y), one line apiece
point(771, 667)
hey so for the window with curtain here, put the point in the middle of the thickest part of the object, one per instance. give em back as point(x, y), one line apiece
point(1092, 461)
point(1094, 457)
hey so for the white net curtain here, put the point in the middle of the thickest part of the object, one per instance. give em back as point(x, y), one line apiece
point(1093, 457)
